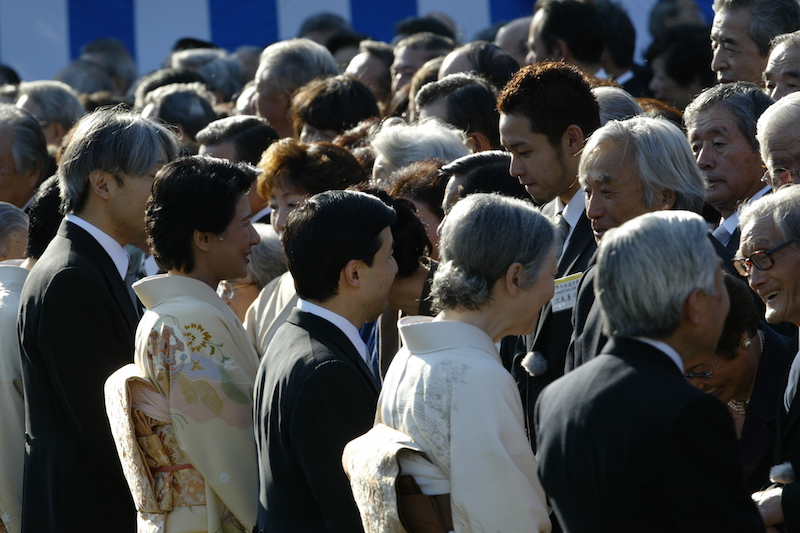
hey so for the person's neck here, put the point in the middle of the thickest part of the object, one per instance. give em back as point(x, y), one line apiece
point(484, 319)
point(569, 193)
point(100, 220)
point(345, 308)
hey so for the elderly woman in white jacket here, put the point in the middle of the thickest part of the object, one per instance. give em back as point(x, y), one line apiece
point(447, 389)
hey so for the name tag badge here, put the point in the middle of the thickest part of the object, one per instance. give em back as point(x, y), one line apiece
point(566, 292)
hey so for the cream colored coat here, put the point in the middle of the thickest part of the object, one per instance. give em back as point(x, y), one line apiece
point(447, 389)
point(269, 310)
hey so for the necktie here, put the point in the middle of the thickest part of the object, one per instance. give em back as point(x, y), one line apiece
point(563, 228)
point(722, 235)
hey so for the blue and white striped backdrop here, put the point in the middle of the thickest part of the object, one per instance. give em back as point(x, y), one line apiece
point(39, 37)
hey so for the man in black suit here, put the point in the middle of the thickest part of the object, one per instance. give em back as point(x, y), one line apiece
point(624, 442)
point(721, 128)
point(547, 111)
point(77, 324)
point(314, 391)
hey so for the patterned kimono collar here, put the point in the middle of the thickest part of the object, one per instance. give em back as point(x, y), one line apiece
point(155, 290)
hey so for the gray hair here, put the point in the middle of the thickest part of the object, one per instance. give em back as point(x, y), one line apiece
point(481, 237)
point(663, 157)
point(113, 56)
point(12, 219)
point(781, 208)
point(220, 71)
point(778, 121)
point(791, 41)
point(769, 18)
point(402, 144)
point(113, 141)
point(30, 145)
point(189, 105)
point(55, 101)
point(616, 104)
point(744, 101)
point(646, 269)
point(86, 77)
point(292, 63)
point(267, 260)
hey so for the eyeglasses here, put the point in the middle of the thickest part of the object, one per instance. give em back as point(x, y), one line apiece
point(780, 176)
point(226, 289)
point(705, 374)
point(761, 259)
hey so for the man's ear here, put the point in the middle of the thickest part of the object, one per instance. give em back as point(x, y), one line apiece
point(478, 142)
point(560, 51)
point(667, 199)
point(100, 182)
point(573, 140)
point(691, 308)
point(350, 273)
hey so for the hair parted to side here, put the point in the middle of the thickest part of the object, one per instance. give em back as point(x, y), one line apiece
point(780, 209)
point(769, 18)
point(329, 230)
point(552, 96)
point(777, 122)
point(337, 103)
point(646, 269)
point(481, 237)
point(663, 158)
point(250, 135)
point(114, 141)
point(12, 219)
point(192, 194)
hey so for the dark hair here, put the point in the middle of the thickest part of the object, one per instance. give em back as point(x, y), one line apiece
point(744, 316)
point(322, 22)
point(192, 43)
point(326, 232)
point(8, 76)
point(577, 24)
point(618, 32)
point(470, 104)
point(192, 194)
point(490, 61)
point(769, 18)
point(165, 76)
point(552, 96)
point(685, 52)
point(414, 25)
point(434, 44)
point(411, 243)
point(421, 181)
point(312, 168)
point(486, 172)
point(45, 217)
point(249, 134)
point(336, 103)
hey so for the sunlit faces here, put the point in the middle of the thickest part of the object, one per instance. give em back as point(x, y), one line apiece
point(15, 188)
point(407, 61)
point(736, 55)
point(238, 294)
point(377, 279)
point(431, 221)
point(726, 158)
point(229, 252)
point(783, 156)
point(126, 203)
point(225, 150)
point(779, 285)
point(272, 103)
point(310, 134)
point(539, 166)
point(370, 71)
point(613, 188)
point(782, 75)
point(284, 199)
point(537, 49)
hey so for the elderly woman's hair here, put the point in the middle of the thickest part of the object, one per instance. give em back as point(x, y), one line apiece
point(482, 236)
point(159, 78)
point(310, 168)
point(780, 209)
point(292, 63)
point(114, 141)
point(646, 269)
point(421, 181)
point(615, 104)
point(192, 194)
point(55, 101)
point(12, 219)
point(189, 105)
point(663, 158)
point(402, 144)
point(267, 258)
point(744, 316)
point(336, 103)
point(30, 145)
point(780, 116)
point(220, 71)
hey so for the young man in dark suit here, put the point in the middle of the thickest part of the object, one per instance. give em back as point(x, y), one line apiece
point(547, 111)
point(77, 324)
point(314, 391)
point(624, 442)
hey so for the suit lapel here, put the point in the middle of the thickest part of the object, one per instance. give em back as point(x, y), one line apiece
point(581, 239)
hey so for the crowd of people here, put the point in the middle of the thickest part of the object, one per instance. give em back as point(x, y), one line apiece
point(515, 284)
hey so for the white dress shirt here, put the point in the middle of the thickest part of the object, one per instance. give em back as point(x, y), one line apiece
point(114, 249)
point(339, 321)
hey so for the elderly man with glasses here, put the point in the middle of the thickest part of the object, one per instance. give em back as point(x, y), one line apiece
point(770, 257)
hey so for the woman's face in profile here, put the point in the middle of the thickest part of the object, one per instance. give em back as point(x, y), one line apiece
point(731, 378)
point(229, 251)
point(284, 199)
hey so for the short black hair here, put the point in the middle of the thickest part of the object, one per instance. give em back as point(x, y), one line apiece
point(192, 193)
point(44, 217)
point(490, 61)
point(164, 76)
point(470, 104)
point(618, 32)
point(552, 96)
point(577, 24)
point(329, 230)
point(686, 54)
point(249, 134)
point(486, 172)
point(337, 103)
point(412, 25)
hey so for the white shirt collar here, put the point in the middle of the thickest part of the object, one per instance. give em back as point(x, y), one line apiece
point(339, 321)
point(114, 249)
point(666, 348)
point(732, 221)
point(572, 211)
point(261, 214)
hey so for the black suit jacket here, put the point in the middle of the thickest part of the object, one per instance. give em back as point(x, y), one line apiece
point(77, 325)
point(639, 85)
point(787, 449)
point(626, 444)
point(554, 330)
point(314, 393)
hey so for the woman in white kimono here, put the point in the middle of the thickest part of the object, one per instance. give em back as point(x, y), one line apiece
point(447, 388)
point(182, 416)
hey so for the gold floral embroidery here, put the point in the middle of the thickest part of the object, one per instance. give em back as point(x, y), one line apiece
point(193, 333)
